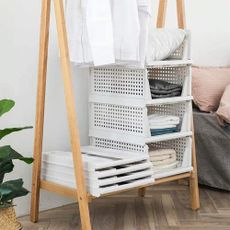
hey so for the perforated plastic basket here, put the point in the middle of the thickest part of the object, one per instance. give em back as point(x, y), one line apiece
point(131, 86)
point(118, 145)
point(183, 148)
point(130, 123)
point(183, 52)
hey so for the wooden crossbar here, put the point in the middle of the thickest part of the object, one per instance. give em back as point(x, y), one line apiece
point(80, 195)
point(71, 192)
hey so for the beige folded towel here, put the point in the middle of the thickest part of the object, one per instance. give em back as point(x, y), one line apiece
point(160, 158)
point(161, 152)
point(168, 161)
point(165, 167)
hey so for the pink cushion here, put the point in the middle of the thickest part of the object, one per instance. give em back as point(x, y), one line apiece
point(208, 86)
point(223, 111)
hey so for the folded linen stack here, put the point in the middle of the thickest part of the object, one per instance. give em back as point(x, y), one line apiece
point(162, 124)
point(163, 159)
point(163, 89)
point(105, 170)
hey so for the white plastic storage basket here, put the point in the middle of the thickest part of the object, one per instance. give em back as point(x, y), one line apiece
point(116, 85)
point(119, 145)
point(105, 170)
point(183, 148)
point(183, 52)
point(130, 123)
point(173, 74)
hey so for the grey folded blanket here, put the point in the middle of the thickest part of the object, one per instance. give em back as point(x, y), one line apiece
point(163, 89)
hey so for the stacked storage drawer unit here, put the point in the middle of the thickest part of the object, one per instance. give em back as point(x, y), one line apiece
point(120, 102)
point(120, 138)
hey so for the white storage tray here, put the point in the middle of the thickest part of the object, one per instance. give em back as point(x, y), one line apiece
point(95, 182)
point(104, 190)
point(104, 168)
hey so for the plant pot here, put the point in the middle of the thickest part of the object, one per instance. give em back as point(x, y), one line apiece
point(8, 220)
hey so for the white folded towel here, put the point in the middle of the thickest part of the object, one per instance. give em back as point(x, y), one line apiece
point(159, 158)
point(158, 121)
point(163, 168)
point(167, 161)
point(161, 152)
point(161, 126)
point(156, 118)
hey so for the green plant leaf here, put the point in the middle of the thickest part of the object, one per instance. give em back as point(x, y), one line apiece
point(5, 167)
point(7, 153)
point(5, 191)
point(6, 205)
point(6, 105)
point(7, 131)
point(16, 187)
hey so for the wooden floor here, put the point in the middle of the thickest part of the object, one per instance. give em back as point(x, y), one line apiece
point(164, 207)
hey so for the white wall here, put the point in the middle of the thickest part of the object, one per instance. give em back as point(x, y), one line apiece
point(208, 21)
point(19, 33)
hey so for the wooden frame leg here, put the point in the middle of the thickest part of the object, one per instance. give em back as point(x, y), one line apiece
point(193, 181)
point(141, 192)
point(161, 13)
point(71, 112)
point(40, 107)
point(181, 14)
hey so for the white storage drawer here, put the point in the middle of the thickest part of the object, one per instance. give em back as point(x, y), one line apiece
point(130, 123)
point(173, 74)
point(131, 86)
point(182, 146)
point(119, 145)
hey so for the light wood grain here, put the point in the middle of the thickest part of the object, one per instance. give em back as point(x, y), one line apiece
point(161, 15)
point(71, 113)
point(181, 20)
point(59, 189)
point(162, 10)
point(40, 107)
point(194, 190)
point(172, 178)
point(165, 206)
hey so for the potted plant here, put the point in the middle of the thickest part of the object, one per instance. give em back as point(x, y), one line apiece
point(12, 188)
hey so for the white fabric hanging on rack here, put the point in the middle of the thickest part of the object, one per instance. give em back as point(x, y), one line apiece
point(79, 47)
point(126, 29)
point(144, 12)
point(90, 34)
point(100, 31)
point(112, 32)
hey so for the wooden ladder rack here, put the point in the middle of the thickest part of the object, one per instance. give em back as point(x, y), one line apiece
point(81, 195)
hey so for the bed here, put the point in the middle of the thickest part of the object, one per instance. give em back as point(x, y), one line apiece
point(213, 150)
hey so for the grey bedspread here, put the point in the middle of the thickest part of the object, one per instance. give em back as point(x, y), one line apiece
point(213, 151)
